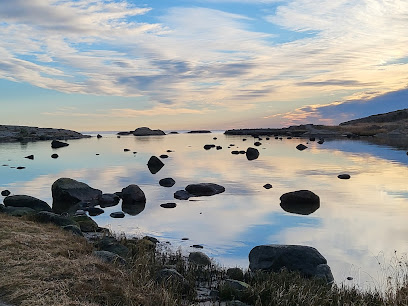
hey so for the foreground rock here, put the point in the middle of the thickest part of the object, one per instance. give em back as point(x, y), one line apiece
point(26, 201)
point(67, 194)
point(302, 202)
point(304, 259)
point(204, 189)
point(12, 133)
point(133, 195)
point(199, 258)
point(145, 131)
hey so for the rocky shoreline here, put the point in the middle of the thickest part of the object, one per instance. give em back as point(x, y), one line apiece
point(14, 133)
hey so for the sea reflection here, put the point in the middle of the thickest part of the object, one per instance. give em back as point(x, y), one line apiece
point(357, 218)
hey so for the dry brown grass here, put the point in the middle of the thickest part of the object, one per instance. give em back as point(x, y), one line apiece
point(44, 265)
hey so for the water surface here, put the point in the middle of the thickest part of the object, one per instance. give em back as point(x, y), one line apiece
point(360, 224)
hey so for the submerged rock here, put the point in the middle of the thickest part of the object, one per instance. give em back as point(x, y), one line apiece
point(302, 202)
point(304, 259)
point(204, 189)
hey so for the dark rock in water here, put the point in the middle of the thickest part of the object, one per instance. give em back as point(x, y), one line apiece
point(199, 132)
point(209, 146)
point(164, 156)
point(173, 132)
point(185, 238)
point(197, 246)
point(204, 189)
point(117, 214)
point(302, 202)
point(145, 131)
point(55, 144)
point(30, 157)
point(134, 209)
point(215, 138)
point(218, 147)
point(126, 150)
point(168, 205)
point(289, 137)
point(20, 168)
point(26, 201)
point(232, 145)
point(109, 257)
point(54, 156)
point(235, 273)
point(267, 186)
point(108, 200)
point(154, 164)
point(73, 229)
point(118, 136)
point(68, 193)
point(124, 133)
point(267, 138)
point(199, 258)
point(344, 176)
point(5, 193)
point(242, 152)
point(244, 139)
point(252, 153)
point(182, 195)
point(49, 217)
point(312, 138)
point(110, 244)
point(169, 151)
point(304, 259)
point(276, 137)
point(321, 141)
point(99, 136)
point(235, 152)
point(257, 144)
point(86, 224)
point(167, 182)
point(95, 211)
point(133, 195)
point(301, 147)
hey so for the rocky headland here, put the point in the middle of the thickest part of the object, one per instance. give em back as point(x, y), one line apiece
point(11, 133)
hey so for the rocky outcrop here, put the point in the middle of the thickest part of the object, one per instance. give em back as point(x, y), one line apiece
point(204, 189)
point(145, 131)
point(26, 201)
point(302, 202)
point(10, 133)
point(304, 259)
point(67, 194)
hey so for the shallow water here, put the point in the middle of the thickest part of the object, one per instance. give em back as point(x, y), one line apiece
point(360, 224)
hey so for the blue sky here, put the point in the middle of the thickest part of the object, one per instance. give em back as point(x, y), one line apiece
point(117, 65)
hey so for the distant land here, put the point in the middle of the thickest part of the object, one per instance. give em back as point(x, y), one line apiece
point(382, 125)
point(13, 133)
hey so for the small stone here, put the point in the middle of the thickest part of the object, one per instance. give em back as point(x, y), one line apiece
point(117, 214)
point(164, 156)
point(349, 278)
point(126, 150)
point(20, 167)
point(54, 155)
point(267, 186)
point(185, 238)
point(167, 182)
point(218, 147)
point(168, 205)
point(321, 141)
point(95, 211)
point(235, 152)
point(5, 193)
point(30, 157)
point(312, 138)
point(197, 246)
point(182, 195)
point(209, 146)
point(344, 176)
point(99, 136)
point(257, 144)
point(301, 147)
point(215, 138)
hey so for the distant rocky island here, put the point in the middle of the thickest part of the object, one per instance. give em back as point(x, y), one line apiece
point(10, 133)
point(382, 125)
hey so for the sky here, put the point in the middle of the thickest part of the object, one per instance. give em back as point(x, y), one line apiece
point(93, 65)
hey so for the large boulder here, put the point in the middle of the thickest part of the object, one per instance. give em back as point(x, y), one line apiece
point(154, 164)
point(304, 259)
point(145, 131)
point(26, 201)
point(68, 193)
point(302, 202)
point(204, 189)
point(133, 195)
point(199, 258)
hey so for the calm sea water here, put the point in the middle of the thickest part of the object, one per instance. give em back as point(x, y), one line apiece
point(361, 226)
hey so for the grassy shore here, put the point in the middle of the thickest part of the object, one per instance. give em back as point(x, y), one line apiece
point(42, 264)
